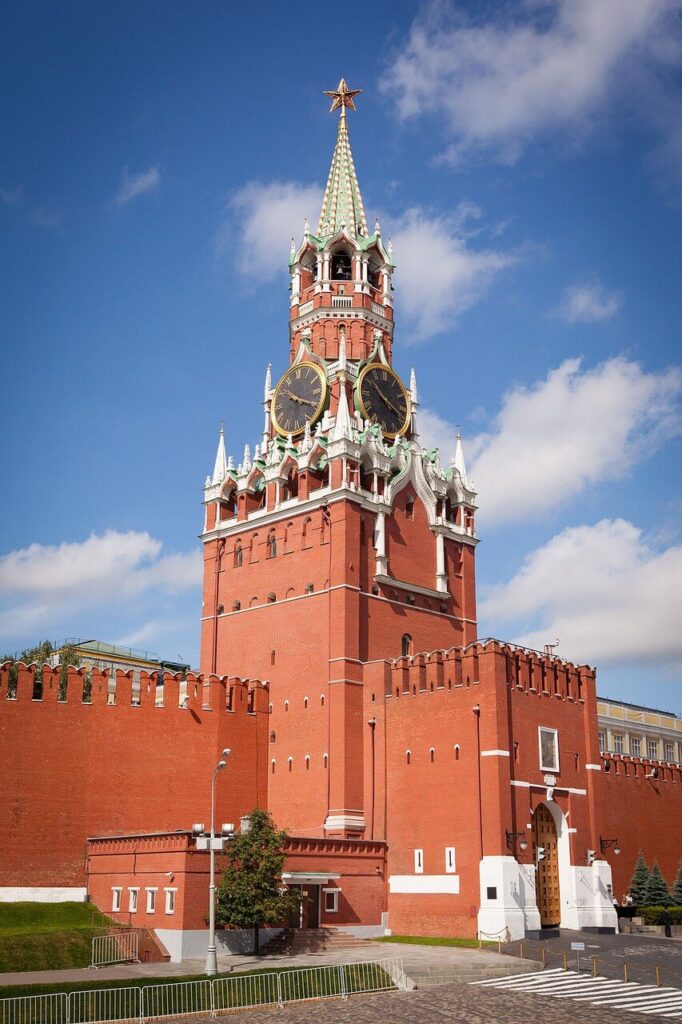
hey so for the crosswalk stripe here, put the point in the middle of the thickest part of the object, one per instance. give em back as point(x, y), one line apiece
point(515, 979)
point(596, 990)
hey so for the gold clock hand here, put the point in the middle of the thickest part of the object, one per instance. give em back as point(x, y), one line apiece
point(296, 398)
point(386, 401)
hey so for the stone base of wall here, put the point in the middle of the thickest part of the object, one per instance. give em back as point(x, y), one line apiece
point(192, 944)
point(42, 894)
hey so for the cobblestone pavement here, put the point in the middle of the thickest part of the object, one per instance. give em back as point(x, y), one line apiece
point(463, 1003)
point(641, 953)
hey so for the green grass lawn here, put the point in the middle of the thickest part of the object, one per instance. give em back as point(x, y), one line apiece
point(47, 936)
point(432, 940)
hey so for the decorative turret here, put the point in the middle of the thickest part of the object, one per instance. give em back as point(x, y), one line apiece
point(220, 466)
point(342, 273)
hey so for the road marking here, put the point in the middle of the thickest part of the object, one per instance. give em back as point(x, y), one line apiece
point(597, 991)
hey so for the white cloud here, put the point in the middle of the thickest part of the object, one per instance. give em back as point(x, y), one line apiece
point(589, 303)
point(11, 196)
point(52, 586)
point(575, 427)
point(537, 66)
point(606, 593)
point(134, 185)
point(439, 274)
point(267, 216)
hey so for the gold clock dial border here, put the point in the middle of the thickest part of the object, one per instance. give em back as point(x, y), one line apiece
point(363, 410)
point(321, 404)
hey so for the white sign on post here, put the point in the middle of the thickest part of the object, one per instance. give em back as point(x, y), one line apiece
point(579, 948)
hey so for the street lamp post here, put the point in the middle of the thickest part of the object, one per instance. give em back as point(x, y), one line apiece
point(211, 954)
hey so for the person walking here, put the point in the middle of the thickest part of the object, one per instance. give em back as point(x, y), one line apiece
point(667, 921)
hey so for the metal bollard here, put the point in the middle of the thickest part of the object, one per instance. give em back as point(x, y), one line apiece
point(594, 967)
point(544, 958)
point(521, 950)
point(565, 961)
point(658, 976)
point(625, 973)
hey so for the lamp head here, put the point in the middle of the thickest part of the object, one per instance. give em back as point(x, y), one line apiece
point(221, 764)
point(523, 845)
point(226, 752)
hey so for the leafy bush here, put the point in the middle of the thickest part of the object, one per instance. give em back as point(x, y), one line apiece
point(652, 915)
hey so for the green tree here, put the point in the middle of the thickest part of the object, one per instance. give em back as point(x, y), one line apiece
point(639, 880)
point(676, 891)
point(251, 892)
point(39, 655)
point(656, 892)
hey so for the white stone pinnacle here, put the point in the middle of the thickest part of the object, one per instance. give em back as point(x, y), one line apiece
point(459, 460)
point(220, 466)
point(343, 429)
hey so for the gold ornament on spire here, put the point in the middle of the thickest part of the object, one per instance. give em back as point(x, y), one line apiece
point(342, 97)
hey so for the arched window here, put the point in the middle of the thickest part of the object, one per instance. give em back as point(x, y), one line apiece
point(325, 760)
point(307, 762)
point(342, 266)
point(322, 699)
point(272, 544)
point(253, 548)
point(305, 535)
point(272, 597)
point(407, 645)
point(456, 751)
point(236, 606)
point(432, 755)
point(286, 705)
point(409, 507)
point(408, 756)
point(272, 766)
point(238, 555)
point(290, 763)
point(305, 702)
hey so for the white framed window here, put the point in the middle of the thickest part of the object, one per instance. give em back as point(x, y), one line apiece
point(151, 900)
point(548, 741)
point(670, 751)
point(331, 901)
point(170, 900)
point(602, 742)
point(635, 746)
point(419, 862)
point(450, 860)
point(652, 750)
point(116, 891)
point(133, 894)
point(617, 743)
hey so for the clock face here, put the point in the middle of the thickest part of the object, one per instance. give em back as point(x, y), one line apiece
point(299, 398)
point(383, 399)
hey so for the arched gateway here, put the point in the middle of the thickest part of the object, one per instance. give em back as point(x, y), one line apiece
point(548, 895)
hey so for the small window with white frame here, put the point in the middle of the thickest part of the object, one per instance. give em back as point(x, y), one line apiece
point(617, 743)
point(331, 901)
point(151, 901)
point(635, 746)
point(549, 749)
point(133, 894)
point(602, 741)
point(170, 900)
point(116, 891)
point(670, 751)
point(652, 750)
point(419, 862)
point(450, 861)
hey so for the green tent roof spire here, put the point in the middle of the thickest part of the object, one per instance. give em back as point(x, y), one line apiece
point(342, 203)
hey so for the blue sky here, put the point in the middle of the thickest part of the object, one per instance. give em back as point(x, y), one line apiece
point(526, 160)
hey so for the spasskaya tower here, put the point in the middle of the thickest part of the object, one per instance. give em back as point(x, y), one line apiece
point(338, 541)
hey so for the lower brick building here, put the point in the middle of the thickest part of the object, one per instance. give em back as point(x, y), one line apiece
point(431, 782)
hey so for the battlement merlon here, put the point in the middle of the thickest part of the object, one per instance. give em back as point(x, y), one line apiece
point(157, 691)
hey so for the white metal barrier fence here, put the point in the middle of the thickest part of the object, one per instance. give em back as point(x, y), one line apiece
point(114, 949)
point(193, 998)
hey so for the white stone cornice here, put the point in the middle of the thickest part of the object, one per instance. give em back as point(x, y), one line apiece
point(413, 588)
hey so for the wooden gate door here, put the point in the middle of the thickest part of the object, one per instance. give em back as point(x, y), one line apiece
point(547, 891)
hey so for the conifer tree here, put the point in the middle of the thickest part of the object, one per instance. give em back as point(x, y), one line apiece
point(656, 892)
point(676, 891)
point(639, 880)
point(251, 891)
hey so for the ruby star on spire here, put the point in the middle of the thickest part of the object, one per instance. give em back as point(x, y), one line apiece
point(342, 97)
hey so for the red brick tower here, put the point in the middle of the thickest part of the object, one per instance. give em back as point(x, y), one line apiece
point(341, 541)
